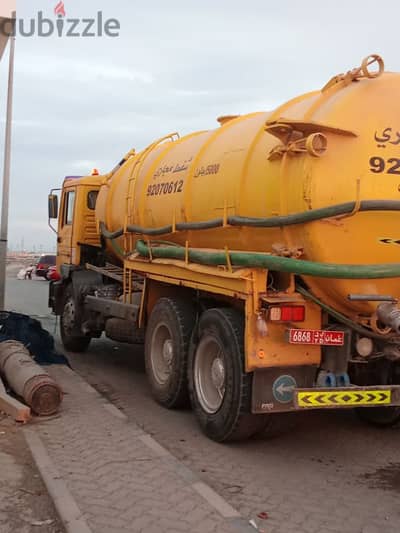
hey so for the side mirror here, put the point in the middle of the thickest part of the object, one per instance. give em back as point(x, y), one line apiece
point(53, 206)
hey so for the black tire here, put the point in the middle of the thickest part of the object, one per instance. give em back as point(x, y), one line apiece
point(382, 373)
point(232, 420)
point(379, 416)
point(169, 330)
point(278, 424)
point(71, 342)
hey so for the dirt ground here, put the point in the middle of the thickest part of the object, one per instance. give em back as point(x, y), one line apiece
point(25, 506)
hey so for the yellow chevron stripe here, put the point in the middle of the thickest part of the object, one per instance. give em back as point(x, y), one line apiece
point(357, 398)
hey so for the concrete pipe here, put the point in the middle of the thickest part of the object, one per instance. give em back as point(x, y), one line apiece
point(28, 380)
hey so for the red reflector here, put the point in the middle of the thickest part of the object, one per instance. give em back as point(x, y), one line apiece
point(298, 313)
point(288, 313)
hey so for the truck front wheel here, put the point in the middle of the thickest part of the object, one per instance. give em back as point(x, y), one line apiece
point(220, 390)
point(167, 343)
point(68, 325)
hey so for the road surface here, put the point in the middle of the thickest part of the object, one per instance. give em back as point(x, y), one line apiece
point(331, 473)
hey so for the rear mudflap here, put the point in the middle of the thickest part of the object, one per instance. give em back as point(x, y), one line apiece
point(273, 388)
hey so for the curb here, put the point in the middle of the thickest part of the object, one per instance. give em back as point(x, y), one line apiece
point(68, 509)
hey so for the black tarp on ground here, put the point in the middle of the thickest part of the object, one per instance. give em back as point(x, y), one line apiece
point(29, 331)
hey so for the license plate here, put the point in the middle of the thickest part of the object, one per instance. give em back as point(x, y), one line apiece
point(316, 336)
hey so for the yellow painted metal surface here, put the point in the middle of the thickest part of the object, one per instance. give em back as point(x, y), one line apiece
point(82, 229)
point(246, 168)
point(245, 287)
point(208, 279)
point(273, 349)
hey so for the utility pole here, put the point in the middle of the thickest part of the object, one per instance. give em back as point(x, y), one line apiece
point(6, 174)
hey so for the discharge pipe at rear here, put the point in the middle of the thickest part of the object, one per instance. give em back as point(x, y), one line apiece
point(389, 315)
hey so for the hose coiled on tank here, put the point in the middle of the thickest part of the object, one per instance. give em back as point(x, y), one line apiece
point(264, 260)
point(270, 222)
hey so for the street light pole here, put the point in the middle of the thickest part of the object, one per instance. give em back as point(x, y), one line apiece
point(6, 174)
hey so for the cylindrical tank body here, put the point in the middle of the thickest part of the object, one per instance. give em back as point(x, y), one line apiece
point(230, 171)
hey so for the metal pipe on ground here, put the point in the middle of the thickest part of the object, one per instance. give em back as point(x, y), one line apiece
point(28, 380)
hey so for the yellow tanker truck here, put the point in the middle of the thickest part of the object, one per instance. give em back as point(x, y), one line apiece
point(259, 261)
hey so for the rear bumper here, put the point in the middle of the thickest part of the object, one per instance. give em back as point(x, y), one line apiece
point(334, 398)
point(285, 389)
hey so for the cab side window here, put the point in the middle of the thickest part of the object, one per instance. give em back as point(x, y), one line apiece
point(69, 207)
point(91, 199)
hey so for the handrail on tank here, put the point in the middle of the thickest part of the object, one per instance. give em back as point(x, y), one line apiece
point(363, 71)
point(133, 153)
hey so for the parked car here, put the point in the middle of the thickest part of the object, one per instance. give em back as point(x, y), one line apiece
point(45, 261)
point(52, 274)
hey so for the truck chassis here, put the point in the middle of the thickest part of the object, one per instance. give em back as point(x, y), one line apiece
point(208, 340)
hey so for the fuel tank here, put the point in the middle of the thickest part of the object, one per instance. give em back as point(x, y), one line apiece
point(338, 145)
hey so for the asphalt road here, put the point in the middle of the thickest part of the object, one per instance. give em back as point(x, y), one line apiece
point(331, 473)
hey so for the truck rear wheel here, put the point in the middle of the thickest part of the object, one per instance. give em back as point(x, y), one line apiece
point(379, 416)
point(220, 390)
point(68, 325)
point(166, 350)
point(382, 372)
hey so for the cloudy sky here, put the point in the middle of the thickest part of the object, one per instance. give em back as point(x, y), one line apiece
point(177, 65)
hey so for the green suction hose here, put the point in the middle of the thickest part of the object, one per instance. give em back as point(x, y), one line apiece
point(251, 222)
point(271, 262)
point(263, 260)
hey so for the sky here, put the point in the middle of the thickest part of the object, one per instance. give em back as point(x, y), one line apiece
point(81, 103)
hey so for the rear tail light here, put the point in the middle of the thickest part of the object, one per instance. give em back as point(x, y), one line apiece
point(287, 313)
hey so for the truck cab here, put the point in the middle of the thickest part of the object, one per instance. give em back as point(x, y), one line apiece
point(78, 240)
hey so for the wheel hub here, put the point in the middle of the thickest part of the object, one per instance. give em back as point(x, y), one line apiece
point(69, 316)
point(210, 374)
point(218, 373)
point(168, 352)
point(162, 353)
